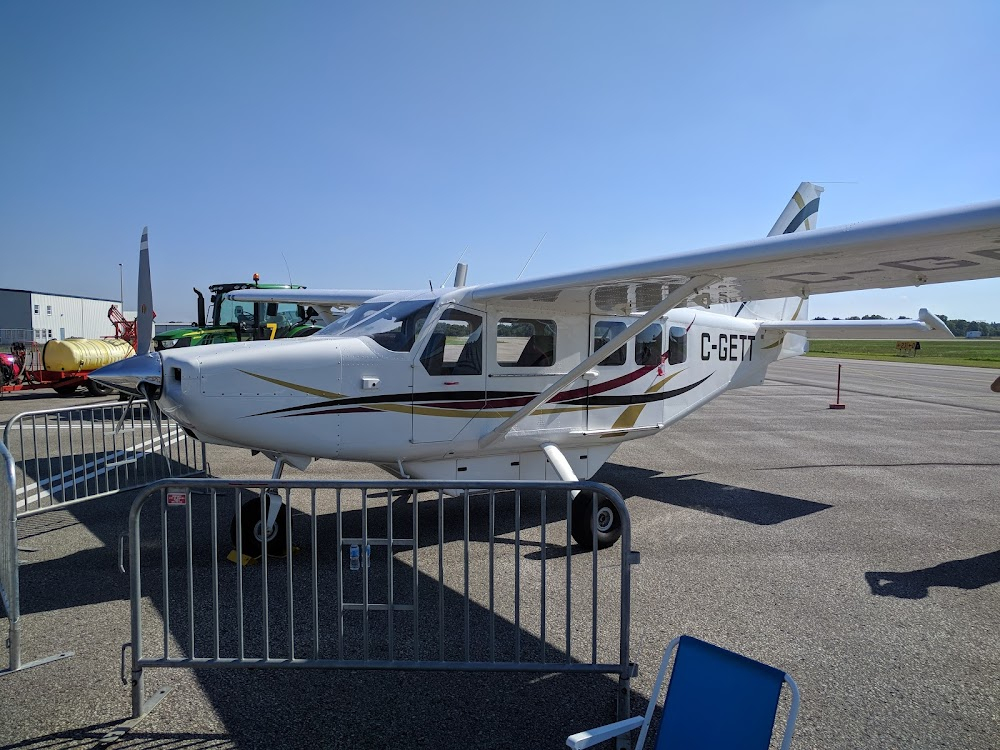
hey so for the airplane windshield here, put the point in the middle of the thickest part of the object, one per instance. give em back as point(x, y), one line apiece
point(358, 314)
point(392, 326)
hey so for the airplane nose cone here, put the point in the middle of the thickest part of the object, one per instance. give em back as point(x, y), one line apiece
point(128, 375)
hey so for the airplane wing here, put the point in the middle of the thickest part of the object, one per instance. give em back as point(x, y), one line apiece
point(931, 248)
point(314, 297)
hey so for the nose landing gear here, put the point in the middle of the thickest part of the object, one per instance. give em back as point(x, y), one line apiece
point(256, 533)
point(252, 529)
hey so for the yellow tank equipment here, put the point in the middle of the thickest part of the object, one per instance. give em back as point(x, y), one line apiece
point(74, 355)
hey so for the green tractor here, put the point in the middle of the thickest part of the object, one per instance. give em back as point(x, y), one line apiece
point(241, 321)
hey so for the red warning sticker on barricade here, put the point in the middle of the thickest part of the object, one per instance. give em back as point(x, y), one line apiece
point(177, 497)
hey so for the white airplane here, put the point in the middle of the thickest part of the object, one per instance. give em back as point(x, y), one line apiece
point(545, 378)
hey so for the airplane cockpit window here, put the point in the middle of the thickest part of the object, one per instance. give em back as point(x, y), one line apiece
point(604, 331)
point(355, 316)
point(526, 342)
point(456, 345)
point(396, 327)
point(649, 346)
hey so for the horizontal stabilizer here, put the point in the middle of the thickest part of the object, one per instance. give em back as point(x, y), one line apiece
point(926, 326)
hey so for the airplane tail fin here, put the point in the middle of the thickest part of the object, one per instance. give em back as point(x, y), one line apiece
point(801, 212)
point(800, 215)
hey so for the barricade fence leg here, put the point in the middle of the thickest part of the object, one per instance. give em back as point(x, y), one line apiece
point(14, 646)
point(624, 742)
point(9, 580)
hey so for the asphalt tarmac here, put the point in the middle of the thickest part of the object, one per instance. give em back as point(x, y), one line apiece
point(856, 549)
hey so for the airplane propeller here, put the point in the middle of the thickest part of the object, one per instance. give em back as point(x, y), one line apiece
point(141, 375)
point(144, 319)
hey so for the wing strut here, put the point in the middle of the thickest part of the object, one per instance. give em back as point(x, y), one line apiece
point(669, 302)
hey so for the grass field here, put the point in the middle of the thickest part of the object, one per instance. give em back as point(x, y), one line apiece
point(964, 352)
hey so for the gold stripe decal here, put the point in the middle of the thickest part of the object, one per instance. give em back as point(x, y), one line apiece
point(294, 387)
point(630, 416)
point(798, 309)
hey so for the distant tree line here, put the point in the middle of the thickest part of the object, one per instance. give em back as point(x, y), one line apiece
point(958, 326)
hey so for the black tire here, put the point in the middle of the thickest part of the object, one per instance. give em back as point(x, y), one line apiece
point(65, 390)
point(609, 522)
point(99, 389)
point(253, 542)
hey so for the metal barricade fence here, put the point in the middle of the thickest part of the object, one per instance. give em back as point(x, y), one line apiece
point(59, 457)
point(74, 453)
point(476, 576)
point(8, 557)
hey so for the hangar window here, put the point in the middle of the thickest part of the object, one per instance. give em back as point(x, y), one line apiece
point(526, 342)
point(649, 346)
point(604, 331)
point(48, 309)
point(456, 345)
point(36, 309)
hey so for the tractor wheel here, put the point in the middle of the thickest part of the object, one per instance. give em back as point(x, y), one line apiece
point(252, 529)
point(609, 522)
point(98, 389)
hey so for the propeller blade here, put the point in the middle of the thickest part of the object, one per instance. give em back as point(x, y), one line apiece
point(125, 412)
point(148, 391)
point(144, 319)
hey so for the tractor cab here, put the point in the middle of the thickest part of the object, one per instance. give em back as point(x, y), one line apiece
point(241, 321)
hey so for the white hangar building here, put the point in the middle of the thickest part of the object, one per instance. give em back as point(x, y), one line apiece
point(37, 316)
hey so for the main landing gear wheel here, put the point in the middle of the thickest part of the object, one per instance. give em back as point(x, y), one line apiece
point(609, 522)
point(252, 528)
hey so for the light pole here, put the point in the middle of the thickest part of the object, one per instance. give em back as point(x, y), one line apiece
point(121, 287)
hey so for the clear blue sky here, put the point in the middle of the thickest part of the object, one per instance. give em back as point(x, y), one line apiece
point(373, 142)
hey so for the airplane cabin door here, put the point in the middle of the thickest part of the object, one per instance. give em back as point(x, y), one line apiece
point(528, 351)
point(631, 381)
point(601, 415)
point(449, 382)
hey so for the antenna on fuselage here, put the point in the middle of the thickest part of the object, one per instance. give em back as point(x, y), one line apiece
point(459, 261)
point(461, 270)
point(532, 255)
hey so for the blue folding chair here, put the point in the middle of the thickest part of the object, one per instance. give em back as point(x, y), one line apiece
point(716, 700)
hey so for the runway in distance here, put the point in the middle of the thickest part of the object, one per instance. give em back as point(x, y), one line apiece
point(545, 378)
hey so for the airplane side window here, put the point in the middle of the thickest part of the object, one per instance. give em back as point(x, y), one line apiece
point(456, 346)
point(526, 342)
point(604, 331)
point(677, 346)
point(649, 346)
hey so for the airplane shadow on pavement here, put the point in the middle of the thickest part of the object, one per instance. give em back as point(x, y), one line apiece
point(685, 491)
point(971, 573)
